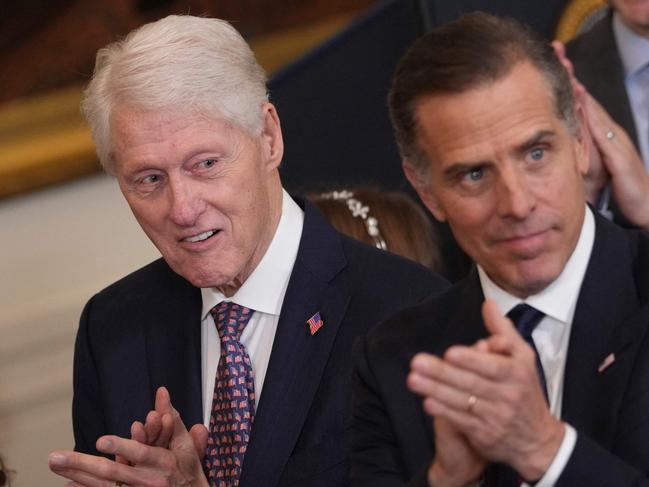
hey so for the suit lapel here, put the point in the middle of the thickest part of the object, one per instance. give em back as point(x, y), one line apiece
point(464, 326)
point(604, 334)
point(173, 348)
point(298, 358)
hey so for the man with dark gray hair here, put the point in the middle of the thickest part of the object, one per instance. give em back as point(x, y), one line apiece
point(247, 321)
point(535, 368)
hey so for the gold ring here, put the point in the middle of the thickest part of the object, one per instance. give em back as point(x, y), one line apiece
point(472, 401)
point(610, 135)
point(118, 484)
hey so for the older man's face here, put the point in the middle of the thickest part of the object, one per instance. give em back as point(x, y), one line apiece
point(205, 192)
point(507, 175)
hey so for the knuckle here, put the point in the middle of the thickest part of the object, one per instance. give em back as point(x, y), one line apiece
point(140, 455)
point(106, 468)
point(168, 462)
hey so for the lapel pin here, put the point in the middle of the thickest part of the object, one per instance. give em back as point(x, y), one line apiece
point(315, 323)
point(606, 363)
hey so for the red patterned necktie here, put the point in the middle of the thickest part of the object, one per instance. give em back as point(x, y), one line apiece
point(233, 404)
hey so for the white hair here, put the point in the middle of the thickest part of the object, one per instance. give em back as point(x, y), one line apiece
point(196, 64)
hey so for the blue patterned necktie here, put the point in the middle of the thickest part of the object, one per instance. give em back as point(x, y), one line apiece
point(233, 404)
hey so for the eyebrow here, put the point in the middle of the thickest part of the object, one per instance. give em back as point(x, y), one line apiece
point(461, 167)
point(458, 168)
point(536, 139)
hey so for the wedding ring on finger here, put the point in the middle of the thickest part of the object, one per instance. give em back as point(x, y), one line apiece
point(471, 402)
point(118, 484)
point(610, 135)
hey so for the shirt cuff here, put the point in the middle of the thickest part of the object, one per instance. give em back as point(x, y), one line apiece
point(555, 470)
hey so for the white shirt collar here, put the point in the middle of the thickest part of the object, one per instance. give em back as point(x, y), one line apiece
point(559, 299)
point(263, 291)
point(633, 49)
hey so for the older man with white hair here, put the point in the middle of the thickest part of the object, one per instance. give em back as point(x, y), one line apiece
point(249, 317)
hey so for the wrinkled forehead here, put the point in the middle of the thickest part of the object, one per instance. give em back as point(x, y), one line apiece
point(138, 134)
point(133, 114)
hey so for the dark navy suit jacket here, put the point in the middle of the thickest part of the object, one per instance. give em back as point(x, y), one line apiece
point(144, 332)
point(393, 440)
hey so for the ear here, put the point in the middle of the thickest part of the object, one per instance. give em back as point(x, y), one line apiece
point(271, 137)
point(582, 145)
point(423, 187)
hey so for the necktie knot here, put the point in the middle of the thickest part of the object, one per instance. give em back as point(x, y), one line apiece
point(525, 319)
point(230, 320)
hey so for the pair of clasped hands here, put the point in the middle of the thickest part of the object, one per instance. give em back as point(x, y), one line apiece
point(161, 452)
point(486, 401)
point(488, 406)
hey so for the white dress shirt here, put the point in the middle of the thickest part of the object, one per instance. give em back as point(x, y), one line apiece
point(551, 336)
point(263, 292)
point(634, 54)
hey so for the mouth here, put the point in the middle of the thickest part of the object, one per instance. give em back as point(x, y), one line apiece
point(201, 237)
point(527, 243)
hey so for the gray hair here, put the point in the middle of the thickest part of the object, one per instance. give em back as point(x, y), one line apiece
point(195, 64)
point(477, 48)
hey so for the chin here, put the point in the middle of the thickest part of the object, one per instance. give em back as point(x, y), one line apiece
point(529, 284)
point(197, 278)
point(210, 280)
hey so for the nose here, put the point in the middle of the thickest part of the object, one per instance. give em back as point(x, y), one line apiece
point(185, 203)
point(515, 196)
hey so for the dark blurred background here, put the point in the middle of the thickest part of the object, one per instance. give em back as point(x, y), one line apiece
point(330, 63)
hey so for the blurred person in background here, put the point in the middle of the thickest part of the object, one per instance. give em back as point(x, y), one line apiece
point(388, 220)
point(611, 59)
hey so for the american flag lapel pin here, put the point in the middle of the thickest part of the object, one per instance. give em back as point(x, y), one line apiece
point(315, 323)
point(606, 363)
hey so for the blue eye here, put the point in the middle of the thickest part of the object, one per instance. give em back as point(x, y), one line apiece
point(208, 163)
point(475, 174)
point(537, 154)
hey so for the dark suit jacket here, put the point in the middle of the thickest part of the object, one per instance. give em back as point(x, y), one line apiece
point(598, 66)
point(392, 439)
point(144, 332)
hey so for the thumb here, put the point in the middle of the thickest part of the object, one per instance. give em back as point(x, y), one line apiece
point(495, 322)
point(199, 435)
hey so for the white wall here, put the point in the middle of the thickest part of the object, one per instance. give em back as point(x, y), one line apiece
point(57, 248)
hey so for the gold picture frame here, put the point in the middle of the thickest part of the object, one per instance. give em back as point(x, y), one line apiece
point(44, 139)
point(573, 17)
